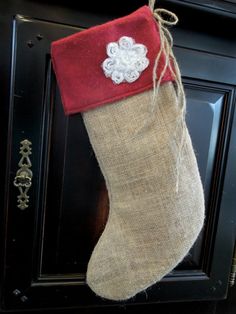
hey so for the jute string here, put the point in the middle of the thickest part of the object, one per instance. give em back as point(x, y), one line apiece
point(166, 18)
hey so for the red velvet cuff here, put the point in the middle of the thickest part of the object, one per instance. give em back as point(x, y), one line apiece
point(77, 61)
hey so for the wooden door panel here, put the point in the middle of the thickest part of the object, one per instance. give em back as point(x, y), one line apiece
point(72, 209)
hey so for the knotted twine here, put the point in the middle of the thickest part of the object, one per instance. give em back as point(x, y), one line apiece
point(166, 44)
point(166, 18)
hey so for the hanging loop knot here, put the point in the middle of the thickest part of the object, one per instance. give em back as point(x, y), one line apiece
point(165, 17)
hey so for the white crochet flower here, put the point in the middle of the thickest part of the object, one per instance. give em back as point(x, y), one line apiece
point(127, 60)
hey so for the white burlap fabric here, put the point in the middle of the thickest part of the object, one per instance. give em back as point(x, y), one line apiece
point(151, 225)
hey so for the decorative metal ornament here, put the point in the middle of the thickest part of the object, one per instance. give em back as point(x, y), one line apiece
point(23, 178)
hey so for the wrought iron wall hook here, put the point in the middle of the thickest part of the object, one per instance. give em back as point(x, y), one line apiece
point(23, 178)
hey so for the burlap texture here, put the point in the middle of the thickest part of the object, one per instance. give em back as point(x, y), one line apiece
point(150, 227)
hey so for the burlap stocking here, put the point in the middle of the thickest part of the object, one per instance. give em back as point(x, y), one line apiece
point(155, 192)
point(151, 227)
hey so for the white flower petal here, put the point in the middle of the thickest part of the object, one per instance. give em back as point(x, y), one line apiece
point(140, 50)
point(112, 49)
point(141, 64)
point(117, 77)
point(108, 66)
point(126, 42)
point(131, 76)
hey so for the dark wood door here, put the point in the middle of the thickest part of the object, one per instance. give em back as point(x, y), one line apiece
point(48, 244)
